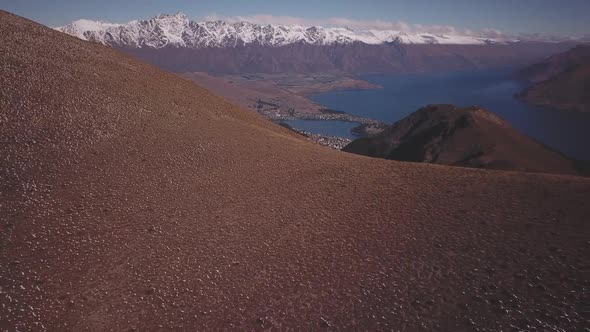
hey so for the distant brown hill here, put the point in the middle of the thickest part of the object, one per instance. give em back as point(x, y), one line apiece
point(556, 64)
point(132, 199)
point(561, 82)
point(469, 137)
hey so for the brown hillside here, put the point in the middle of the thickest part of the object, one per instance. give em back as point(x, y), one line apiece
point(356, 58)
point(132, 199)
point(556, 64)
point(560, 82)
point(468, 137)
point(567, 91)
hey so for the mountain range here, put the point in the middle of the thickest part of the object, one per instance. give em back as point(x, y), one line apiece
point(175, 43)
point(179, 31)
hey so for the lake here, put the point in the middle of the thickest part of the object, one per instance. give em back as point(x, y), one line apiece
point(402, 94)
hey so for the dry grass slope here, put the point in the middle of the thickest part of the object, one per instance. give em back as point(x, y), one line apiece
point(132, 199)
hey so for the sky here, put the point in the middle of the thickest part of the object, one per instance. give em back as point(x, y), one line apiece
point(547, 17)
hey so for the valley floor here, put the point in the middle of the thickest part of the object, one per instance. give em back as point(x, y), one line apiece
point(285, 97)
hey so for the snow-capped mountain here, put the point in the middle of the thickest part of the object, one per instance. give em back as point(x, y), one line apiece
point(178, 31)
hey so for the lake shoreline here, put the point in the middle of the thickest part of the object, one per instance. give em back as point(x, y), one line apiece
point(287, 97)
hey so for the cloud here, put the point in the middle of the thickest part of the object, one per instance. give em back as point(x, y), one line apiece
point(342, 22)
point(326, 22)
point(263, 19)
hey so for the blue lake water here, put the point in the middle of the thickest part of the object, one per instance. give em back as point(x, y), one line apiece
point(329, 128)
point(567, 132)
